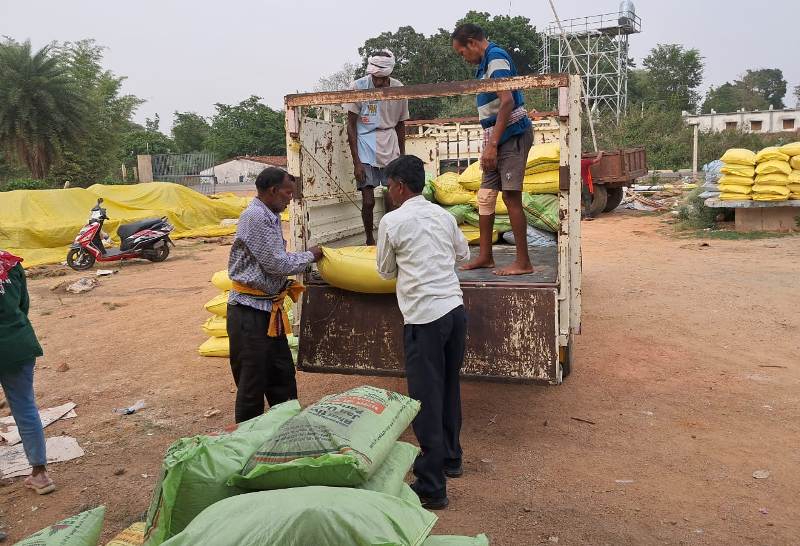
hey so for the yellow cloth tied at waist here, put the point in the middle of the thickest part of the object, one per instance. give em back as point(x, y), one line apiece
point(278, 319)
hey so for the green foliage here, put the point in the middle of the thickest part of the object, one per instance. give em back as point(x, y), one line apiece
point(26, 184)
point(42, 109)
point(248, 128)
point(140, 141)
point(99, 152)
point(673, 76)
point(695, 214)
point(190, 132)
point(755, 90)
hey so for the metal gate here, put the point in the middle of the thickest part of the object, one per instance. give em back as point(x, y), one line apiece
point(194, 170)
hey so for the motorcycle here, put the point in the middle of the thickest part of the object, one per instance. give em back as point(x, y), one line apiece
point(148, 239)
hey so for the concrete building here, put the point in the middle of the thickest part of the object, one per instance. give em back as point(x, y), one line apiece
point(244, 169)
point(757, 121)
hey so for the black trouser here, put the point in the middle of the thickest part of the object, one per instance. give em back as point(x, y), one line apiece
point(261, 365)
point(434, 355)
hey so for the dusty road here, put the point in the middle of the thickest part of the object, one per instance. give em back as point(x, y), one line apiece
point(688, 368)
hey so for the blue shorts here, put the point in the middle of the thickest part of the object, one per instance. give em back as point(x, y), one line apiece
point(375, 176)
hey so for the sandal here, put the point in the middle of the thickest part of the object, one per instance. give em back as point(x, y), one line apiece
point(42, 486)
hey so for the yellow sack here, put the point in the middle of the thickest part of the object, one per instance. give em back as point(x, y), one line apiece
point(794, 188)
point(734, 197)
point(739, 156)
point(216, 326)
point(771, 153)
point(774, 166)
point(472, 176)
point(132, 536)
point(795, 162)
point(763, 189)
point(354, 268)
point(738, 170)
point(779, 179)
point(794, 196)
point(215, 346)
point(791, 149)
point(794, 177)
point(543, 153)
point(448, 191)
point(219, 305)
point(545, 182)
point(732, 179)
point(542, 168)
point(769, 197)
point(732, 188)
point(221, 280)
point(473, 234)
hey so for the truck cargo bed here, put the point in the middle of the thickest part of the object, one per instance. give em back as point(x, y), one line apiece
point(545, 263)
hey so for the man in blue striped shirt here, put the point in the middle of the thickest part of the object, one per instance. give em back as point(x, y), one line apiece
point(508, 137)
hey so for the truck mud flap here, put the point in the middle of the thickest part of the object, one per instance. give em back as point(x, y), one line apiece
point(511, 333)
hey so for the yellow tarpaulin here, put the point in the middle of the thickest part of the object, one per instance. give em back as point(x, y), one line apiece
point(39, 225)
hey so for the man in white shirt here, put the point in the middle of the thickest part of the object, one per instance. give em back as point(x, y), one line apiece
point(376, 133)
point(420, 243)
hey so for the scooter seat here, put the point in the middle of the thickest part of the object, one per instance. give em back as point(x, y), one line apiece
point(126, 230)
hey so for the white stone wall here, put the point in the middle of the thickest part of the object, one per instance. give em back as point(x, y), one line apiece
point(759, 121)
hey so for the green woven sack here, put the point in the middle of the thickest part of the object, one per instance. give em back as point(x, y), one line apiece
point(427, 192)
point(502, 222)
point(390, 476)
point(339, 441)
point(195, 471)
point(541, 211)
point(452, 540)
point(83, 529)
point(318, 516)
point(460, 212)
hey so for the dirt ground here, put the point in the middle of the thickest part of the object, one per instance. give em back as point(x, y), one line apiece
point(687, 370)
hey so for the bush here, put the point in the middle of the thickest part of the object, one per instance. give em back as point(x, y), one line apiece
point(695, 214)
point(26, 184)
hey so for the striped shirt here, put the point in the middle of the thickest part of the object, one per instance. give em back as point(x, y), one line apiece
point(497, 63)
point(258, 256)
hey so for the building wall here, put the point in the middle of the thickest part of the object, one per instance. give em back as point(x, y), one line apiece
point(238, 171)
point(759, 121)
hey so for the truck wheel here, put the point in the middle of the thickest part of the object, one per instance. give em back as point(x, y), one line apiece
point(614, 198)
point(599, 199)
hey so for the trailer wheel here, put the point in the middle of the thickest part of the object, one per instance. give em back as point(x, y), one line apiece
point(599, 200)
point(614, 198)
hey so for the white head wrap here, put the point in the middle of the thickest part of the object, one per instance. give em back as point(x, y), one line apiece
point(381, 66)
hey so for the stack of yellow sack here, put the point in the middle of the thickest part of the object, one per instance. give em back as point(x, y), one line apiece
point(738, 170)
point(216, 326)
point(772, 175)
point(793, 151)
point(541, 172)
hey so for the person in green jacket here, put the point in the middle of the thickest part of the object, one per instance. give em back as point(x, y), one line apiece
point(18, 351)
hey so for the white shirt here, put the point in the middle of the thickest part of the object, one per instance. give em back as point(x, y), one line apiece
point(420, 243)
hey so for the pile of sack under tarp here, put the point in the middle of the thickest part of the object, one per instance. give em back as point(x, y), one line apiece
point(216, 326)
point(330, 474)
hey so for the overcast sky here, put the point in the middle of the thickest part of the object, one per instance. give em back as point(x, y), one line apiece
point(186, 55)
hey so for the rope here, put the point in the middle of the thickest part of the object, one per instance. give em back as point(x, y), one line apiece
point(326, 171)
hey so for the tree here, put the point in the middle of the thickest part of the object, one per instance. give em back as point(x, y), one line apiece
point(190, 132)
point(674, 74)
point(724, 98)
point(338, 80)
point(797, 95)
point(97, 154)
point(766, 86)
point(146, 140)
point(248, 128)
point(41, 108)
point(514, 34)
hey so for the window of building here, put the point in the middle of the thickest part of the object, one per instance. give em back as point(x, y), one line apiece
point(731, 125)
point(755, 126)
point(788, 124)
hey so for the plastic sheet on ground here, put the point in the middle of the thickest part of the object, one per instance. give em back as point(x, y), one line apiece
point(13, 462)
point(39, 225)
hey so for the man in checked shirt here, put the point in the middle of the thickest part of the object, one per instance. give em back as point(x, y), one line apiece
point(261, 361)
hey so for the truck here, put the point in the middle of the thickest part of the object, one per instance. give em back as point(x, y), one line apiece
point(521, 328)
point(452, 144)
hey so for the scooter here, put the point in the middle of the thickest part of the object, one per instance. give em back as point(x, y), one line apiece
point(148, 239)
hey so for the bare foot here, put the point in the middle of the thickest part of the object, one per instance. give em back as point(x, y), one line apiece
point(478, 263)
point(514, 269)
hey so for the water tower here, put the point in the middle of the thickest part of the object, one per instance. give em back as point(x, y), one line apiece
point(600, 46)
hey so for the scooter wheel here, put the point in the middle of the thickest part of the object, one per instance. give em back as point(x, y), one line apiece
point(159, 254)
point(80, 259)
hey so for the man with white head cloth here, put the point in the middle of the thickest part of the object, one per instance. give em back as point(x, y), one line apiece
point(376, 133)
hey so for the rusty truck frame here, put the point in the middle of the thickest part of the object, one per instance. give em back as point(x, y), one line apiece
point(520, 328)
